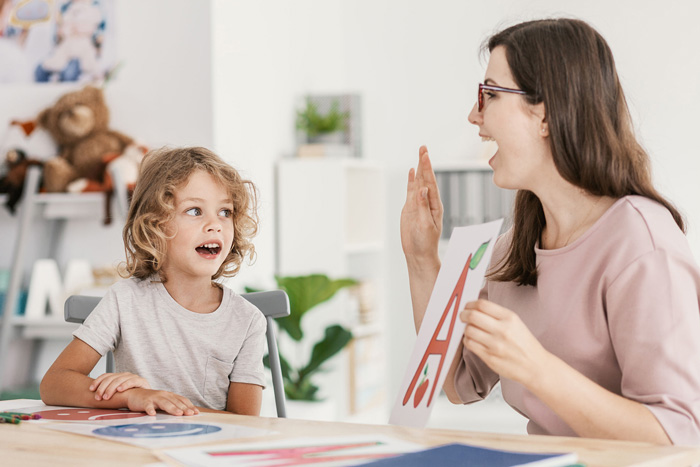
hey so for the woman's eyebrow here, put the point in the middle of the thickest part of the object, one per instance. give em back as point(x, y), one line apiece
point(491, 82)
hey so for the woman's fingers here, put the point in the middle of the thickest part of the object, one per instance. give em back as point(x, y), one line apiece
point(411, 186)
point(487, 325)
point(472, 332)
point(489, 308)
point(424, 211)
point(426, 175)
point(419, 168)
point(475, 347)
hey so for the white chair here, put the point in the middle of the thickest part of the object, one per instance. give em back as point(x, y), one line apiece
point(273, 304)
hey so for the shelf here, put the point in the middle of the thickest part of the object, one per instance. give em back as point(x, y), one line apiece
point(70, 205)
point(47, 328)
point(56, 208)
point(63, 198)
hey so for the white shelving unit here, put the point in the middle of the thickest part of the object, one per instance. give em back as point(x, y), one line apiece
point(469, 195)
point(331, 220)
point(54, 209)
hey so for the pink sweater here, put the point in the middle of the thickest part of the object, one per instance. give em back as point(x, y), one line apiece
point(620, 305)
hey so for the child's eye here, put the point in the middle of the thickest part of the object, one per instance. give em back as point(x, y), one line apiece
point(194, 212)
point(226, 212)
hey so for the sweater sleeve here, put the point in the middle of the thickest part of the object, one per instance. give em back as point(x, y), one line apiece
point(654, 321)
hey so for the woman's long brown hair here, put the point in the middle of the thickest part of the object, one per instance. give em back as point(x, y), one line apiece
point(568, 66)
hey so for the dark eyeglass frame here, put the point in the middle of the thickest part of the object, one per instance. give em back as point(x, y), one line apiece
point(487, 87)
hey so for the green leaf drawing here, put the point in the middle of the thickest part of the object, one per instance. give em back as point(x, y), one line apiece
point(476, 259)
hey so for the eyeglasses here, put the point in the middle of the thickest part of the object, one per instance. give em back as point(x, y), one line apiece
point(488, 87)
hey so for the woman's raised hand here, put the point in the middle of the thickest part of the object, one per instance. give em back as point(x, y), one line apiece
point(421, 216)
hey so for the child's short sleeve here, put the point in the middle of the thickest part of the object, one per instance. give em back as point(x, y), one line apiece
point(248, 365)
point(101, 329)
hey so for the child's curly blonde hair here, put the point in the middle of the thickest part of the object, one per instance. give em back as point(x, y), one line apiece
point(152, 207)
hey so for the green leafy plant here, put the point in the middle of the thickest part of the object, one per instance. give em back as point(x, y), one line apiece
point(305, 292)
point(311, 121)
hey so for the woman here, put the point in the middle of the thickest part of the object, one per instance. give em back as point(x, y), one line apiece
point(590, 315)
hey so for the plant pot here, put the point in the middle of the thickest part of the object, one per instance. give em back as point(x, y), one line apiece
point(336, 137)
point(312, 410)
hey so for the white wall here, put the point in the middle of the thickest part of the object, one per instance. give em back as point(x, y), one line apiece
point(416, 65)
point(162, 95)
point(227, 74)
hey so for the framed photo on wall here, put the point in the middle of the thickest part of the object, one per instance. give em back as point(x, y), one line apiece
point(49, 41)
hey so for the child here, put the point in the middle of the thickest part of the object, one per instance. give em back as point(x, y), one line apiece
point(182, 342)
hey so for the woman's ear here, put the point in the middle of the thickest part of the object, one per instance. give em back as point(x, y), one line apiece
point(540, 116)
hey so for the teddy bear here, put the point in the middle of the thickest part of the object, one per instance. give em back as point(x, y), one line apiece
point(121, 169)
point(79, 124)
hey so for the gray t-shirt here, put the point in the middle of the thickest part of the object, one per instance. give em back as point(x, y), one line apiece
point(191, 354)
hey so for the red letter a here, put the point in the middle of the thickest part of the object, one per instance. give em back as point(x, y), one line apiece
point(437, 346)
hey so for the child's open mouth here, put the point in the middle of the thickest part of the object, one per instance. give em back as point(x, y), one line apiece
point(209, 249)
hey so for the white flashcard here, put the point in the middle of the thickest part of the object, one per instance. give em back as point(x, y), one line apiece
point(317, 451)
point(459, 281)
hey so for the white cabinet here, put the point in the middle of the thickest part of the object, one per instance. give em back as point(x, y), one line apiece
point(330, 214)
point(331, 220)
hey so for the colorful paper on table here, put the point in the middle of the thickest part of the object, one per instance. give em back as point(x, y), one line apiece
point(90, 415)
point(319, 452)
point(459, 281)
point(475, 456)
point(162, 434)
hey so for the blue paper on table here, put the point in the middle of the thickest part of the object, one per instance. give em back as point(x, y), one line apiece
point(455, 455)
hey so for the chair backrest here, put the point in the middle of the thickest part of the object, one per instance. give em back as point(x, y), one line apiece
point(272, 303)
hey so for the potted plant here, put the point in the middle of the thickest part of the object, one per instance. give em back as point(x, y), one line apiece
point(305, 292)
point(322, 128)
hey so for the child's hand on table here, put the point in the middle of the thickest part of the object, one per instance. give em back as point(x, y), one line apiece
point(107, 384)
point(148, 400)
